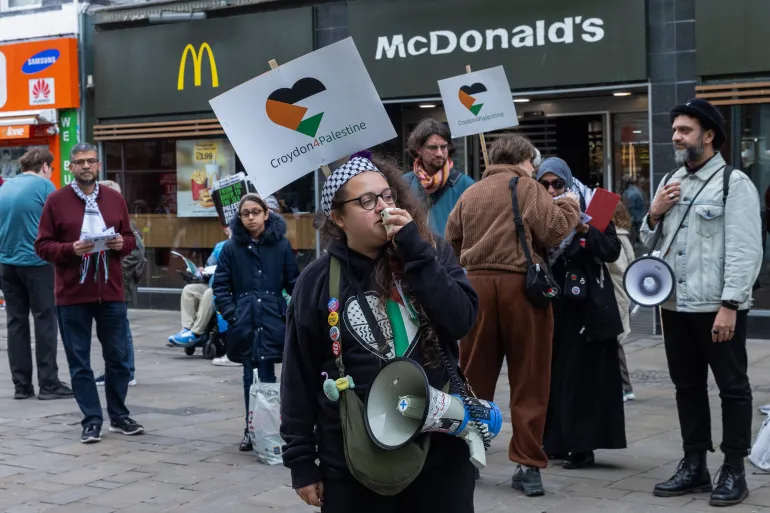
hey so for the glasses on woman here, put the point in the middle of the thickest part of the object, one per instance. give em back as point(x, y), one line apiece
point(556, 184)
point(248, 213)
point(369, 200)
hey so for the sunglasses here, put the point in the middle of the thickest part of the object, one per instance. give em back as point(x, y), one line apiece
point(556, 184)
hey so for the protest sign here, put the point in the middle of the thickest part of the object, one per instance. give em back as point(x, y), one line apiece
point(302, 115)
point(227, 194)
point(478, 102)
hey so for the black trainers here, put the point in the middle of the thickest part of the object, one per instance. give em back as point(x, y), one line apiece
point(528, 481)
point(91, 434)
point(127, 426)
point(691, 476)
point(245, 443)
point(731, 486)
point(24, 392)
point(60, 391)
point(578, 460)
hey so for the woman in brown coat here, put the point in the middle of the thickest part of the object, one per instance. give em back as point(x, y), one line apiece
point(483, 234)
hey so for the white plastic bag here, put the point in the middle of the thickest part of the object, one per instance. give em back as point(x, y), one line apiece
point(265, 421)
point(760, 451)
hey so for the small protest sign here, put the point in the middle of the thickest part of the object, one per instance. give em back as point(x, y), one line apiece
point(303, 114)
point(227, 193)
point(478, 102)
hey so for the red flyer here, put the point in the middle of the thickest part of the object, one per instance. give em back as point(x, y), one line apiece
point(602, 208)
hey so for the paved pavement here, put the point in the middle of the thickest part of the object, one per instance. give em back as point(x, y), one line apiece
point(188, 461)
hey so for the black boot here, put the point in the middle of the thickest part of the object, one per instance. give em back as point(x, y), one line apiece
point(578, 460)
point(691, 476)
point(731, 484)
point(246, 442)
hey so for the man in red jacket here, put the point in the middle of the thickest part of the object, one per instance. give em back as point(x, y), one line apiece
point(89, 287)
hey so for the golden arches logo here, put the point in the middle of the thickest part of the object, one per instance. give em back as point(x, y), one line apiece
point(197, 58)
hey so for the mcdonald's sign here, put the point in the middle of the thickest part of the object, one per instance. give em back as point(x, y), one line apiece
point(197, 58)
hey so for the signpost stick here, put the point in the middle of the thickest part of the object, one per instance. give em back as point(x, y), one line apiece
point(481, 136)
point(274, 64)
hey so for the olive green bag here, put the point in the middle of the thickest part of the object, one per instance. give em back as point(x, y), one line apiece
point(386, 472)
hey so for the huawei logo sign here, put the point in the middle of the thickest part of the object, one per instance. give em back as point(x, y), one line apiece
point(42, 91)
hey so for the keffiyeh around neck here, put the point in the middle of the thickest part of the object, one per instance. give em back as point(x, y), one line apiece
point(93, 223)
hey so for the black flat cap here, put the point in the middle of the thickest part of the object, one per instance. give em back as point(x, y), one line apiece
point(708, 115)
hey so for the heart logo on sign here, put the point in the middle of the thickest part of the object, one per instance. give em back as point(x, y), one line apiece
point(282, 110)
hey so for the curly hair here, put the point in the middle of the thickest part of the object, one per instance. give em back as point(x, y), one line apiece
point(622, 218)
point(389, 267)
point(423, 132)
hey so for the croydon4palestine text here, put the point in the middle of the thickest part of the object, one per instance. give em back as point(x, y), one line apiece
point(317, 142)
point(486, 117)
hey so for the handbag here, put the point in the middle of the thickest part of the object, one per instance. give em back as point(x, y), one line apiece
point(540, 287)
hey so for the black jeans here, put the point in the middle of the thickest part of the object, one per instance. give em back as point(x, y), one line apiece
point(31, 289)
point(690, 352)
point(75, 323)
point(446, 485)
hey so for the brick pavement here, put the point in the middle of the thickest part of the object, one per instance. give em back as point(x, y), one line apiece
point(188, 461)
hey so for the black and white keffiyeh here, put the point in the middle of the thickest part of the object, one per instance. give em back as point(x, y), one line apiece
point(93, 222)
point(359, 163)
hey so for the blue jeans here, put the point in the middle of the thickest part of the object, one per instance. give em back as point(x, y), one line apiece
point(266, 374)
point(75, 323)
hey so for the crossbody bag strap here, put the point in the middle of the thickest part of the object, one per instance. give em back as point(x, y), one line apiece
point(687, 212)
point(334, 293)
point(518, 222)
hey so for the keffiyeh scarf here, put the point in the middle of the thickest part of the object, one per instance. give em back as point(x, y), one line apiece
point(93, 222)
point(585, 194)
point(432, 183)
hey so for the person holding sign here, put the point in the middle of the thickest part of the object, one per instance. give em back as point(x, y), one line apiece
point(434, 178)
point(585, 410)
point(509, 325)
point(386, 288)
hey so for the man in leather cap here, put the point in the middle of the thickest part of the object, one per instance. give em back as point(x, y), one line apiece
point(712, 240)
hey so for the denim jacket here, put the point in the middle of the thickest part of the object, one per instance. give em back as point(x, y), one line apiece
point(718, 252)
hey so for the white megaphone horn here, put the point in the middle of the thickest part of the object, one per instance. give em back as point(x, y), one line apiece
point(401, 405)
point(649, 280)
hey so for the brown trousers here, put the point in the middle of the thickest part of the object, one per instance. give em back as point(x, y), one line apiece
point(509, 327)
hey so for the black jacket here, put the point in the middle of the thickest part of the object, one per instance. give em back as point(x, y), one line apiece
point(310, 423)
point(248, 287)
point(599, 310)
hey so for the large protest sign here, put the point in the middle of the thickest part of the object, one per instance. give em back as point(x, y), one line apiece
point(478, 102)
point(304, 114)
point(227, 195)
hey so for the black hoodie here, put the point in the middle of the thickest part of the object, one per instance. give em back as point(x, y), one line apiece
point(310, 422)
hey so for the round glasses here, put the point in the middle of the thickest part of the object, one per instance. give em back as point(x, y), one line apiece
point(368, 201)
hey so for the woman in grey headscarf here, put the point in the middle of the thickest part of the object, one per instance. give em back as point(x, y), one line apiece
point(585, 408)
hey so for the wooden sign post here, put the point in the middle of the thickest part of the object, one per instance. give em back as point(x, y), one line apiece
point(274, 64)
point(481, 135)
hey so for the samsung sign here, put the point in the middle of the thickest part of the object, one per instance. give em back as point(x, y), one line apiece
point(541, 44)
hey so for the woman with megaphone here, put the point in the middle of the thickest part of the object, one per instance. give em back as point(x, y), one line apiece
point(386, 288)
point(585, 410)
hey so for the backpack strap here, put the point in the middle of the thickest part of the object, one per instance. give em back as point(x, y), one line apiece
point(726, 183)
point(335, 269)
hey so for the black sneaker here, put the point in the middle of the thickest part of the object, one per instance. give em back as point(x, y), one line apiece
point(245, 443)
point(91, 434)
point(24, 392)
point(60, 391)
point(528, 481)
point(127, 426)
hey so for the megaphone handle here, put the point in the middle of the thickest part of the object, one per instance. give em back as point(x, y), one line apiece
point(658, 233)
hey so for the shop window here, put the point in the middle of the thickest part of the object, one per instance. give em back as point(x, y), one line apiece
point(14, 5)
point(631, 173)
point(9, 159)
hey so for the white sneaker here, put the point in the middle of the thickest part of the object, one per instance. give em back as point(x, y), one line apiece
point(132, 383)
point(225, 362)
point(765, 410)
point(628, 396)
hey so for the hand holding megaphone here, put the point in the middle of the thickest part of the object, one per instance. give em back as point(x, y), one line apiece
point(393, 219)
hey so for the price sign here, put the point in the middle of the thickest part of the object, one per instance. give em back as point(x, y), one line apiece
point(206, 152)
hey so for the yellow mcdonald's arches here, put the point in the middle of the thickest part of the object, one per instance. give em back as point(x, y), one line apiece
point(197, 58)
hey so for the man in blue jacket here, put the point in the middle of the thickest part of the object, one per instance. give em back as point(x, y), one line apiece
point(434, 178)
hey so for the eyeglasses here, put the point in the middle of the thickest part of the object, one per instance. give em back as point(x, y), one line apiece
point(82, 162)
point(556, 184)
point(369, 200)
point(436, 147)
point(248, 213)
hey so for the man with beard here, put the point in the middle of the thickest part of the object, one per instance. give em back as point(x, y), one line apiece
point(89, 287)
point(434, 178)
point(709, 216)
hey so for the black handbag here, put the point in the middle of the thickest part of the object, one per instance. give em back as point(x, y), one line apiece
point(541, 288)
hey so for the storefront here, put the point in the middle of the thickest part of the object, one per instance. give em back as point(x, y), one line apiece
point(160, 140)
point(734, 74)
point(39, 98)
point(578, 73)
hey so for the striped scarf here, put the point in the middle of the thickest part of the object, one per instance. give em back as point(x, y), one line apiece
point(432, 183)
point(93, 223)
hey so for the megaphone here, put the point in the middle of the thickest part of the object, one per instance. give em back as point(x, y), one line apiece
point(649, 281)
point(401, 405)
